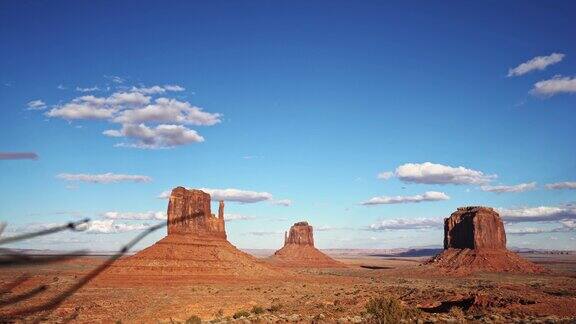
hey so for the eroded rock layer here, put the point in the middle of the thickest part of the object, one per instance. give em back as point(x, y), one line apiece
point(299, 250)
point(475, 241)
point(195, 248)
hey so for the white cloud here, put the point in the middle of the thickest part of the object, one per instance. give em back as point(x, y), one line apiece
point(115, 79)
point(161, 136)
point(243, 196)
point(282, 202)
point(169, 111)
point(556, 85)
point(157, 89)
point(103, 178)
point(427, 196)
point(89, 89)
point(237, 217)
point(385, 175)
point(164, 195)
point(431, 173)
point(91, 107)
point(526, 231)
point(514, 188)
point(237, 195)
point(537, 63)
point(173, 87)
point(151, 124)
point(264, 233)
point(110, 226)
point(36, 105)
point(537, 214)
point(401, 223)
point(569, 223)
point(561, 185)
point(151, 215)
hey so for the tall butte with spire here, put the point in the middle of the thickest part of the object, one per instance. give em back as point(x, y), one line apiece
point(299, 250)
point(196, 247)
point(475, 241)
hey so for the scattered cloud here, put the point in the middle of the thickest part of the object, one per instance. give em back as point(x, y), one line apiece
point(535, 64)
point(403, 224)
point(115, 79)
point(89, 89)
point(385, 175)
point(242, 196)
point(513, 188)
point(237, 195)
point(264, 233)
point(169, 111)
point(103, 178)
point(237, 217)
point(282, 202)
point(537, 214)
point(18, 156)
point(527, 231)
point(556, 85)
point(61, 87)
point(161, 136)
point(110, 226)
point(427, 196)
point(36, 105)
point(91, 107)
point(561, 185)
point(431, 173)
point(148, 122)
point(157, 89)
point(150, 215)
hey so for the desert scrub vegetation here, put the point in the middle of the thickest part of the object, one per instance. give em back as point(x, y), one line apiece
point(257, 310)
point(240, 314)
point(384, 310)
point(193, 320)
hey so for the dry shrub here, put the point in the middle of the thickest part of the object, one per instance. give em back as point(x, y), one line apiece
point(384, 310)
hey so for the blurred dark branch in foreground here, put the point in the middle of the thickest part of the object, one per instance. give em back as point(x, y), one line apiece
point(43, 308)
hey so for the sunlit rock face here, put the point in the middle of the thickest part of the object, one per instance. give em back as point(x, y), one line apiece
point(474, 228)
point(475, 241)
point(300, 233)
point(189, 213)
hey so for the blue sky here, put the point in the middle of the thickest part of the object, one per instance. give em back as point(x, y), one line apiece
point(297, 105)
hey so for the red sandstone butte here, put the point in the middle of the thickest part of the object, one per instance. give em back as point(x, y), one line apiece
point(299, 250)
point(195, 248)
point(475, 241)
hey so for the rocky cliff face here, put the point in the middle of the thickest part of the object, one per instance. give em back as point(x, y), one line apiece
point(474, 240)
point(474, 228)
point(300, 233)
point(189, 213)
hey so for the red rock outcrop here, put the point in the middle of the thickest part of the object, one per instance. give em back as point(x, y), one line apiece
point(474, 228)
point(299, 250)
point(189, 213)
point(475, 240)
point(195, 249)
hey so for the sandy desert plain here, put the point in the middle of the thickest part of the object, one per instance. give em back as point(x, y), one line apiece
point(195, 275)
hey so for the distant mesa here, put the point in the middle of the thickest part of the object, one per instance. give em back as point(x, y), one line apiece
point(195, 248)
point(299, 250)
point(475, 241)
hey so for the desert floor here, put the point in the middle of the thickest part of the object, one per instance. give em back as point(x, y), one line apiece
point(306, 295)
